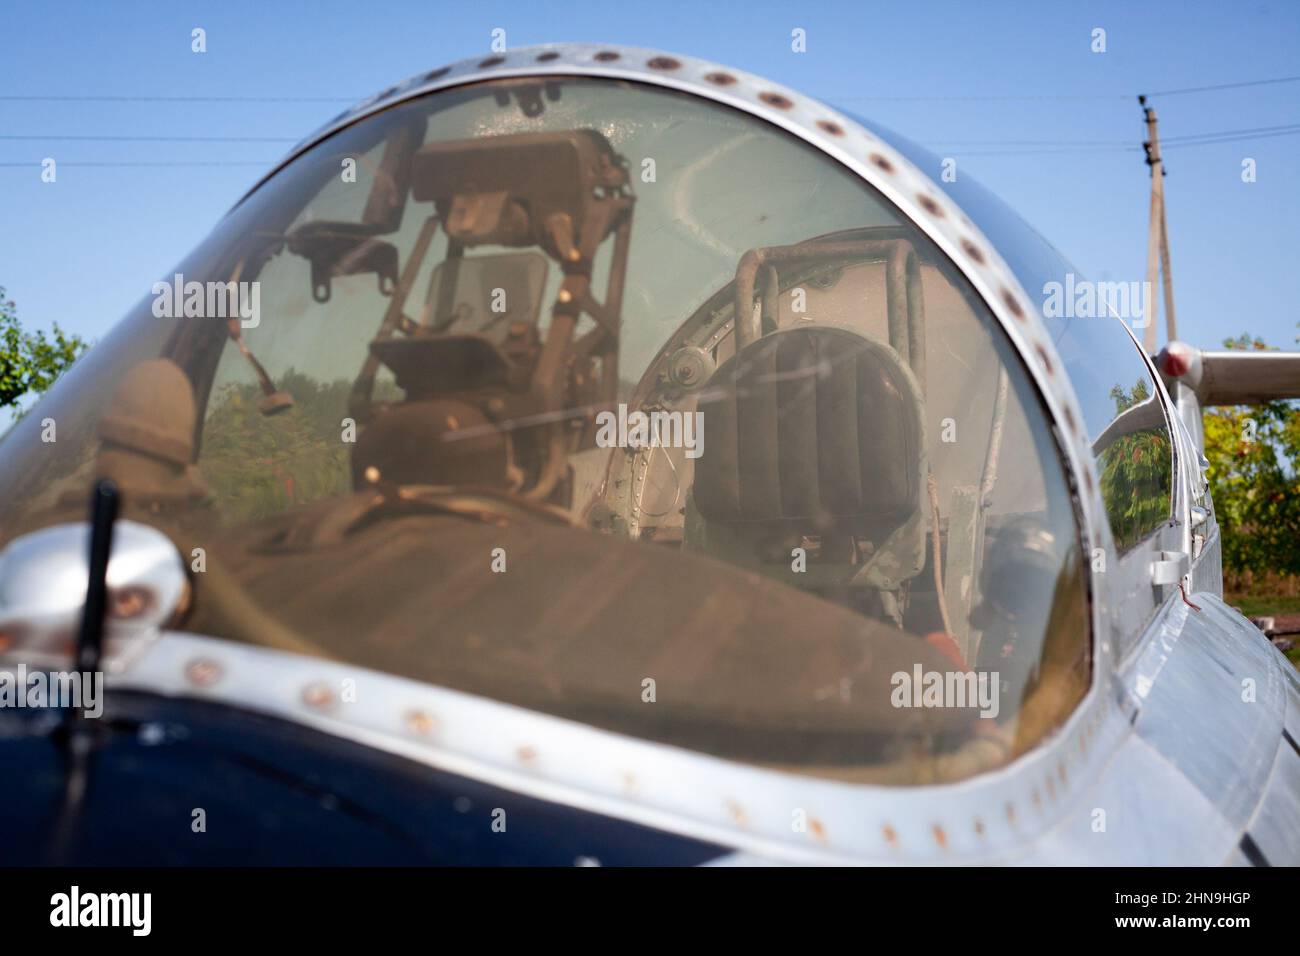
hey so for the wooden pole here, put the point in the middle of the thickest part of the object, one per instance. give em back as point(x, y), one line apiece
point(1157, 239)
point(1171, 325)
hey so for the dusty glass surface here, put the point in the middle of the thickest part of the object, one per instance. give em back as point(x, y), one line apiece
point(495, 426)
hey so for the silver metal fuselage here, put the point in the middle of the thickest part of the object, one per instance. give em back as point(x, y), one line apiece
point(1183, 751)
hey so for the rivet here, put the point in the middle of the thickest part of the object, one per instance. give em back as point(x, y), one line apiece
point(929, 205)
point(129, 602)
point(890, 835)
point(777, 100)
point(436, 74)
point(606, 56)
point(972, 250)
point(547, 57)
point(830, 127)
point(817, 829)
point(663, 63)
point(203, 671)
point(1044, 357)
point(491, 61)
point(940, 837)
point(721, 79)
point(979, 827)
point(1012, 304)
point(318, 695)
point(526, 754)
point(418, 722)
point(882, 163)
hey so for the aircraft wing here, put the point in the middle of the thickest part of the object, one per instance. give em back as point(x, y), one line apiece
point(1248, 378)
point(1232, 377)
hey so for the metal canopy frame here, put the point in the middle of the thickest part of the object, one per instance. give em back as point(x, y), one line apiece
point(1011, 806)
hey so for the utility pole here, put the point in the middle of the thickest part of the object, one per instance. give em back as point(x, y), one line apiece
point(1157, 238)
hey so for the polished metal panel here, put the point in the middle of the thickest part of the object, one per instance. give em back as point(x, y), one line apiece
point(785, 817)
point(1212, 699)
point(43, 577)
point(1171, 770)
point(1273, 828)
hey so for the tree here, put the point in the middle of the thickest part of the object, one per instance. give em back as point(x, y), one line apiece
point(1254, 455)
point(1135, 474)
point(30, 362)
point(257, 466)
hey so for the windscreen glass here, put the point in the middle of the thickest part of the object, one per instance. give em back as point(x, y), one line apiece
point(609, 402)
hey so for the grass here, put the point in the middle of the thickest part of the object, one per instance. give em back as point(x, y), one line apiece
point(1263, 605)
point(1269, 605)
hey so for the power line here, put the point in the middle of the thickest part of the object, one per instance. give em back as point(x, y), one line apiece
point(1093, 146)
point(1109, 144)
point(1038, 148)
point(1011, 97)
point(1046, 152)
point(178, 99)
point(1181, 91)
point(1234, 139)
point(1233, 132)
point(1115, 150)
point(75, 164)
point(1225, 86)
point(1102, 144)
point(1014, 97)
point(154, 139)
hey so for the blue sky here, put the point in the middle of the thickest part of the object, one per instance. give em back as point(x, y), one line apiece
point(983, 78)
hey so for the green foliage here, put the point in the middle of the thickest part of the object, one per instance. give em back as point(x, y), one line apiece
point(30, 362)
point(258, 465)
point(1254, 455)
point(1136, 471)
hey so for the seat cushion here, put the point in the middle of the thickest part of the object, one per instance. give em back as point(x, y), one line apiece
point(811, 423)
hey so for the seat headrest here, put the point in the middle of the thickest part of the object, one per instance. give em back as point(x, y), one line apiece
point(811, 423)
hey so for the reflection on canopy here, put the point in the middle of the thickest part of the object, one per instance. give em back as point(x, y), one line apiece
point(401, 460)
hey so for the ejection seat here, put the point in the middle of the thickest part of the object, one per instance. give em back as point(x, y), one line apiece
point(816, 440)
point(816, 433)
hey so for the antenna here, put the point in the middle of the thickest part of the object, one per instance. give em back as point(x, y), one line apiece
point(77, 740)
point(1157, 238)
